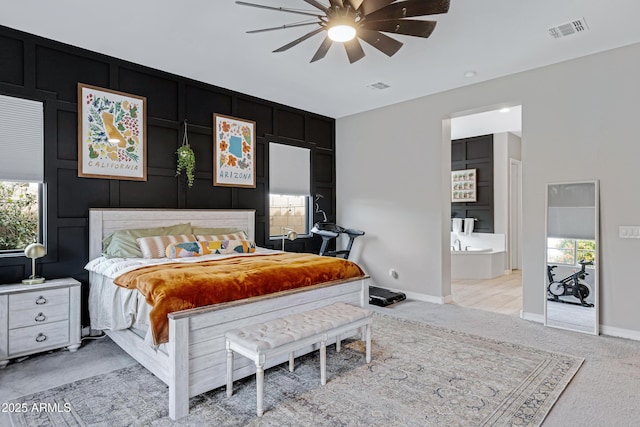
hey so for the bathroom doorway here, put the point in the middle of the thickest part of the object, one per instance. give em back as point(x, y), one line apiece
point(486, 262)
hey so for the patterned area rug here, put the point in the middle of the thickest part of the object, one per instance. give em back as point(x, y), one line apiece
point(420, 375)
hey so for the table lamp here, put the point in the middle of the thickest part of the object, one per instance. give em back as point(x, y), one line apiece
point(34, 251)
point(291, 235)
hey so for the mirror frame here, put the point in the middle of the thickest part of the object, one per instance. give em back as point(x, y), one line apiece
point(596, 273)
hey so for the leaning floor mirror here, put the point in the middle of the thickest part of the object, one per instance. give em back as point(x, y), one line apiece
point(571, 268)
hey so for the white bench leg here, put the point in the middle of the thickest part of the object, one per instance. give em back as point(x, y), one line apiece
point(259, 388)
point(368, 342)
point(323, 361)
point(338, 344)
point(229, 372)
point(291, 360)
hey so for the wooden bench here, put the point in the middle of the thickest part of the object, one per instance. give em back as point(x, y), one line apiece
point(291, 333)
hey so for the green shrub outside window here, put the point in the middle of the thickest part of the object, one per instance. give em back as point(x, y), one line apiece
point(19, 211)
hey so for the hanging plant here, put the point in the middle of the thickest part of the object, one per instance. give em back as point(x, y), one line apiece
point(186, 158)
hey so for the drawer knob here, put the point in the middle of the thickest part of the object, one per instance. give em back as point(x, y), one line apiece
point(41, 300)
point(40, 317)
point(41, 337)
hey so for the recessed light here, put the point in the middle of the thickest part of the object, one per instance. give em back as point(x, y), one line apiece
point(505, 110)
point(470, 73)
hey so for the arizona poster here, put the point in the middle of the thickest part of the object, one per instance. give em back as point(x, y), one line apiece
point(234, 152)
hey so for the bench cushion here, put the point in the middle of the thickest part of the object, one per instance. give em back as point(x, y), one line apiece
point(261, 337)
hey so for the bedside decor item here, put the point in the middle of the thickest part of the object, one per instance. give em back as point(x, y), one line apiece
point(291, 235)
point(112, 134)
point(34, 251)
point(463, 185)
point(234, 142)
point(186, 158)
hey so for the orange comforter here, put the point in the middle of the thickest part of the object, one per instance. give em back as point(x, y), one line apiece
point(179, 286)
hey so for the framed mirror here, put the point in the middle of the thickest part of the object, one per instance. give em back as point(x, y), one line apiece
point(572, 246)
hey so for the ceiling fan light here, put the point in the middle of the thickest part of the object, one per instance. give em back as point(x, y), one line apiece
point(341, 33)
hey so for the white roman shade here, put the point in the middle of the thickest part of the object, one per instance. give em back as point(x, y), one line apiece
point(571, 211)
point(289, 170)
point(21, 139)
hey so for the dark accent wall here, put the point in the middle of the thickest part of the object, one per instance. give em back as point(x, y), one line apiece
point(475, 153)
point(36, 68)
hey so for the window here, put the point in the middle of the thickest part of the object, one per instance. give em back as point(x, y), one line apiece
point(19, 215)
point(287, 213)
point(570, 251)
point(21, 173)
point(289, 190)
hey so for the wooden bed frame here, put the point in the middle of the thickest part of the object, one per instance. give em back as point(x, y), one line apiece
point(194, 359)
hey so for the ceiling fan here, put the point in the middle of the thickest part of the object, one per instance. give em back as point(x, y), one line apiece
point(346, 21)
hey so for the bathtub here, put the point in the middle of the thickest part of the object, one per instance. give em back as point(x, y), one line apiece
point(477, 263)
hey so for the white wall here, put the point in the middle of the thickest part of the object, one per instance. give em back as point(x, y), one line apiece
point(505, 145)
point(580, 122)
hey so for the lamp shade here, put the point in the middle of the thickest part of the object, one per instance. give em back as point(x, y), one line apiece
point(291, 235)
point(35, 250)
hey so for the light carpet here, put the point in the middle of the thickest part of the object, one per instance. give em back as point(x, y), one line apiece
point(420, 375)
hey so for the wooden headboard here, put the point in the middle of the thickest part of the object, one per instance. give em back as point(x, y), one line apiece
point(103, 222)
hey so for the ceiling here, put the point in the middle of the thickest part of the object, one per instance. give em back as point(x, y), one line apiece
point(206, 40)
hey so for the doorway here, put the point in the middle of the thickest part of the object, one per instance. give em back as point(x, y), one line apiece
point(500, 291)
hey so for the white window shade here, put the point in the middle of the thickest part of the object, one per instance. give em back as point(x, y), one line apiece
point(289, 170)
point(21, 139)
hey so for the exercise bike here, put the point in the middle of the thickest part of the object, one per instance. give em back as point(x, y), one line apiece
point(569, 286)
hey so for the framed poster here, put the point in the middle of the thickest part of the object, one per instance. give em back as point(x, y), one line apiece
point(112, 134)
point(463, 185)
point(234, 146)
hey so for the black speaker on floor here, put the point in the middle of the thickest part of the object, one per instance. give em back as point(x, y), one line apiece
point(384, 297)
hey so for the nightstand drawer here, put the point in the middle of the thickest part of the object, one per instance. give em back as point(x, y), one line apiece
point(38, 299)
point(36, 338)
point(38, 315)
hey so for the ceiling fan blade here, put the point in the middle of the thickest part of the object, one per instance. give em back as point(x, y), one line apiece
point(383, 43)
point(406, 9)
point(279, 9)
point(336, 3)
point(299, 40)
point(409, 27)
point(355, 4)
point(322, 50)
point(316, 4)
point(370, 6)
point(354, 50)
point(281, 27)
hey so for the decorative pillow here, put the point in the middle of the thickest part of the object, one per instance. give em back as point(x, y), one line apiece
point(154, 246)
point(122, 243)
point(191, 249)
point(239, 235)
point(199, 248)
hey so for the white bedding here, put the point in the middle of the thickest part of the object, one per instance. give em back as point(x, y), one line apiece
point(115, 308)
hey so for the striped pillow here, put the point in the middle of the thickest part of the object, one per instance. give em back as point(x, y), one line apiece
point(240, 235)
point(154, 246)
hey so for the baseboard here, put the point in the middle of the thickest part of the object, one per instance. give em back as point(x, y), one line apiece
point(604, 330)
point(532, 317)
point(620, 333)
point(423, 297)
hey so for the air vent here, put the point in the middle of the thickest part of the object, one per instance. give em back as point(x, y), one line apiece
point(378, 85)
point(570, 28)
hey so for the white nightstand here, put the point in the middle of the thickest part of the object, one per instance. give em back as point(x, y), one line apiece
point(35, 318)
